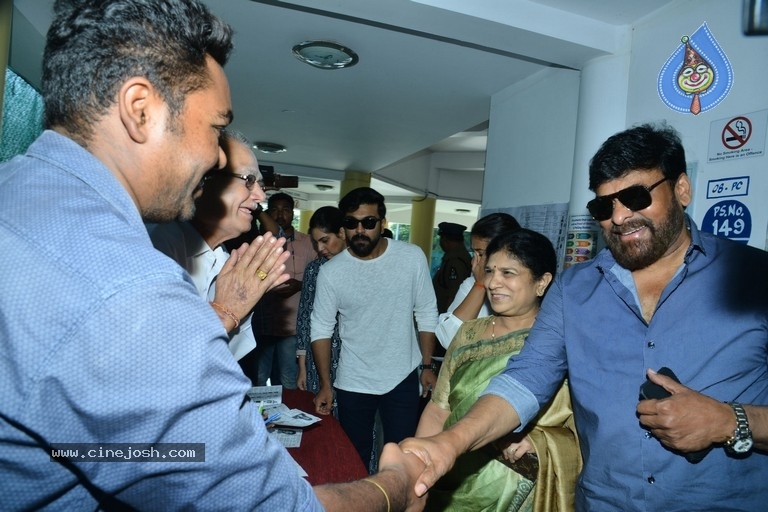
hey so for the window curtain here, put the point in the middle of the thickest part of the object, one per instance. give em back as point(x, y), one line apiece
point(22, 116)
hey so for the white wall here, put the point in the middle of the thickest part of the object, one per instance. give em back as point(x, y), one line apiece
point(451, 176)
point(529, 160)
point(653, 42)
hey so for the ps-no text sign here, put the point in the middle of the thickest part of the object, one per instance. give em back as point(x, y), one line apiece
point(738, 137)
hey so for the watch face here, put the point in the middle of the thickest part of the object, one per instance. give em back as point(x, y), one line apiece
point(325, 54)
point(742, 445)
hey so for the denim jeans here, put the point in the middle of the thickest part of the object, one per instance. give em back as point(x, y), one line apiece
point(398, 409)
point(276, 357)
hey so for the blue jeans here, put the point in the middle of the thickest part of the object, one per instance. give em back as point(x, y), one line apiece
point(398, 409)
point(277, 361)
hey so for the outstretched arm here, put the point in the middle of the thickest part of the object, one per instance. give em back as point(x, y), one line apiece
point(432, 420)
point(487, 420)
point(389, 489)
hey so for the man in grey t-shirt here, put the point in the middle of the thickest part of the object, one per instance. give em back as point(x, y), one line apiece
point(376, 288)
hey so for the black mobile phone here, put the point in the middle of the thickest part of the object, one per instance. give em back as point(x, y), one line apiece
point(650, 390)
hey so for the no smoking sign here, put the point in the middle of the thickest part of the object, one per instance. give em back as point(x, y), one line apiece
point(736, 132)
point(737, 137)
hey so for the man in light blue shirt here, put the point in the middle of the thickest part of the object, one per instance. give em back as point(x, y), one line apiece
point(105, 342)
point(662, 294)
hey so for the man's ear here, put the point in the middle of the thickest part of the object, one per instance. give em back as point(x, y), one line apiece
point(135, 102)
point(683, 190)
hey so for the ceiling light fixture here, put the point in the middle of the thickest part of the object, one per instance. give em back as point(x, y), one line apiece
point(323, 187)
point(269, 147)
point(325, 54)
point(462, 210)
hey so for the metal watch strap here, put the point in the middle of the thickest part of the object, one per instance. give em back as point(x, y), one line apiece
point(742, 430)
point(430, 366)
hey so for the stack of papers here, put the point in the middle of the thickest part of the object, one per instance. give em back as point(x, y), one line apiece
point(284, 424)
point(287, 427)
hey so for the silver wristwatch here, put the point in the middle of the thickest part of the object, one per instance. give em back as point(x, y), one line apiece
point(741, 442)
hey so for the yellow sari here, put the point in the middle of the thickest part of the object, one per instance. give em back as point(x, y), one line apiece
point(480, 480)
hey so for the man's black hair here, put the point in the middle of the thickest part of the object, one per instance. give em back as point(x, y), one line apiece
point(363, 195)
point(643, 147)
point(280, 196)
point(93, 46)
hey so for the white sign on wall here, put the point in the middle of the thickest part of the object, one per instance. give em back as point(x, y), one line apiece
point(738, 136)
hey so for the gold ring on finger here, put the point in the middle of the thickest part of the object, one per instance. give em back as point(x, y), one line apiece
point(261, 274)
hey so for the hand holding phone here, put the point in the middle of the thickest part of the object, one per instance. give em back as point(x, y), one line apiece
point(652, 391)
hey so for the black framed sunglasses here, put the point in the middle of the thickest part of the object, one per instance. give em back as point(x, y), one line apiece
point(367, 222)
point(636, 197)
point(250, 179)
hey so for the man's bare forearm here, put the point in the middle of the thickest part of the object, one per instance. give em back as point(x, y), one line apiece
point(490, 418)
point(366, 496)
point(427, 342)
point(321, 350)
point(432, 420)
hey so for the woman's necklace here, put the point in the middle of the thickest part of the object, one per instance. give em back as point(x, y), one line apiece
point(493, 327)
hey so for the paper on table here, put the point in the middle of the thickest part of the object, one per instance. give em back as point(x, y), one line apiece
point(291, 417)
point(268, 395)
point(288, 437)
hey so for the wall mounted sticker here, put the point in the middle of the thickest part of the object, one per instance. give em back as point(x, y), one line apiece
point(697, 76)
point(736, 137)
point(729, 219)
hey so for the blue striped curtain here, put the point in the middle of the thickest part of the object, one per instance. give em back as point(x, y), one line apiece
point(22, 116)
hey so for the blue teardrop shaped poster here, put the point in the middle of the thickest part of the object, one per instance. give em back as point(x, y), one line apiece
point(697, 76)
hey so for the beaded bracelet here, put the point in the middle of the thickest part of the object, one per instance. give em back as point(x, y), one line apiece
point(386, 496)
point(226, 312)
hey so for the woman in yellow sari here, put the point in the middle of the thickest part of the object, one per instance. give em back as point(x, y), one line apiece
point(534, 470)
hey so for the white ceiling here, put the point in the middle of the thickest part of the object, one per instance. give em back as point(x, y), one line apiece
point(427, 71)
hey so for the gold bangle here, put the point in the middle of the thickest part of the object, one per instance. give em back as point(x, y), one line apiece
point(386, 496)
point(226, 312)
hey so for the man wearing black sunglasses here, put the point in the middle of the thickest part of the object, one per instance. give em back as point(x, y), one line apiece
point(377, 287)
point(662, 294)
